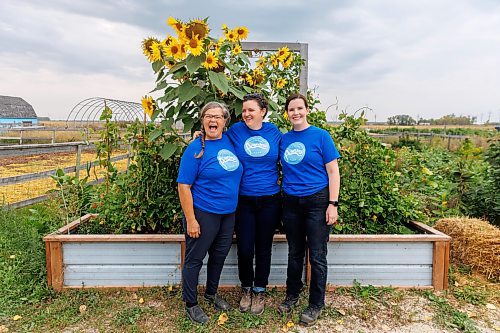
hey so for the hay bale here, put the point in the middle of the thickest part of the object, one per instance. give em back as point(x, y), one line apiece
point(475, 243)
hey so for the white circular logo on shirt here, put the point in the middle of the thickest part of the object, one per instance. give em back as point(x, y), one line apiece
point(294, 153)
point(228, 160)
point(256, 146)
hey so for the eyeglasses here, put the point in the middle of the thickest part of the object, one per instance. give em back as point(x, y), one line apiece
point(213, 116)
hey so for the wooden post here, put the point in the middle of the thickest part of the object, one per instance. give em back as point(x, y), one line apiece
point(56, 266)
point(78, 157)
point(129, 157)
point(183, 253)
point(53, 136)
point(446, 264)
point(439, 273)
point(449, 139)
point(21, 138)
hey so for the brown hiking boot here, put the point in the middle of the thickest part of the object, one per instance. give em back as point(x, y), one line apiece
point(246, 300)
point(258, 303)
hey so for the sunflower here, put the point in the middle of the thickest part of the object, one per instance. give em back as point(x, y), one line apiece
point(258, 76)
point(261, 62)
point(196, 28)
point(173, 49)
point(249, 79)
point(241, 32)
point(195, 46)
point(148, 105)
point(156, 49)
point(237, 49)
point(176, 24)
point(280, 83)
point(288, 61)
point(283, 53)
point(147, 47)
point(169, 63)
point(274, 60)
point(231, 35)
point(211, 61)
point(224, 27)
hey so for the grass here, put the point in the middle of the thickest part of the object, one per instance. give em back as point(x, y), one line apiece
point(24, 292)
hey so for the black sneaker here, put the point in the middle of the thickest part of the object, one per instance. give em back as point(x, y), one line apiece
point(310, 316)
point(197, 315)
point(287, 305)
point(218, 302)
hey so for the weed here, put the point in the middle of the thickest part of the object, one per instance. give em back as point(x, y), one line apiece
point(470, 295)
point(449, 317)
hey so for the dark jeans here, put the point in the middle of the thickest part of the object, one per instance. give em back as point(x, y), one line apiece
point(215, 238)
point(305, 224)
point(256, 221)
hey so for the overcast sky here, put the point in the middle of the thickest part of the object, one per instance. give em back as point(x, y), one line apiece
point(425, 58)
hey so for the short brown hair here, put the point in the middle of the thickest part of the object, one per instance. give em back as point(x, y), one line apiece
point(296, 96)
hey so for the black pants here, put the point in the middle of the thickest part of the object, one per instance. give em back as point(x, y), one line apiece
point(215, 238)
point(305, 225)
point(256, 220)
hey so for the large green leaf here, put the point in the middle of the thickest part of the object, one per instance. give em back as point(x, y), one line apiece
point(238, 107)
point(168, 150)
point(232, 68)
point(155, 134)
point(187, 91)
point(193, 63)
point(161, 85)
point(237, 92)
point(188, 124)
point(157, 65)
point(166, 124)
point(219, 80)
point(273, 106)
point(170, 95)
point(176, 67)
point(244, 58)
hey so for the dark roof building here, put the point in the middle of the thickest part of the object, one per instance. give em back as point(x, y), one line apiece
point(16, 110)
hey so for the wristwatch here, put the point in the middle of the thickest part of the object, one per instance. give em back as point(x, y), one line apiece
point(335, 203)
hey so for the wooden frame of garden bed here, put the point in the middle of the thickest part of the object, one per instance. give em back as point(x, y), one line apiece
point(399, 261)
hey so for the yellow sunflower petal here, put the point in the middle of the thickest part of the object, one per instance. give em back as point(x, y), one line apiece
point(241, 32)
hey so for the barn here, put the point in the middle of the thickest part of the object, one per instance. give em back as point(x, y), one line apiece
point(16, 111)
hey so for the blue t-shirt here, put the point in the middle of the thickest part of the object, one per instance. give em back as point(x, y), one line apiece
point(214, 177)
point(303, 158)
point(258, 151)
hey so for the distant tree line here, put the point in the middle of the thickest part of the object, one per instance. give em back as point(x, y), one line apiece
point(450, 119)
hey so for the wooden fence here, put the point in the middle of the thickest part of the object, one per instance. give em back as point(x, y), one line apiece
point(37, 149)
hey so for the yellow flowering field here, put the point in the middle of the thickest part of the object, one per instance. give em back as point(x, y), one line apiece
point(14, 166)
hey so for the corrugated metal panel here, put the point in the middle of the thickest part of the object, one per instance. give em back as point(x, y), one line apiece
point(229, 275)
point(380, 253)
point(392, 263)
point(121, 264)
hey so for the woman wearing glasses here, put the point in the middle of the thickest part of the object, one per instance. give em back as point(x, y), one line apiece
point(208, 185)
point(311, 183)
point(256, 144)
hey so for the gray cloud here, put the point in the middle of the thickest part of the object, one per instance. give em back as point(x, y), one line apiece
point(424, 57)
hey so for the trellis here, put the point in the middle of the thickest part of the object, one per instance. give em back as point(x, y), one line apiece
point(88, 111)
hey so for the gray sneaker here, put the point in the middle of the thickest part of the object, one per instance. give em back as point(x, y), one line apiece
point(258, 303)
point(218, 302)
point(246, 300)
point(197, 315)
point(310, 316)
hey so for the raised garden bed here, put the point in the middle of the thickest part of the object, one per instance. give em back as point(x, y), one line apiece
point(134, 261)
